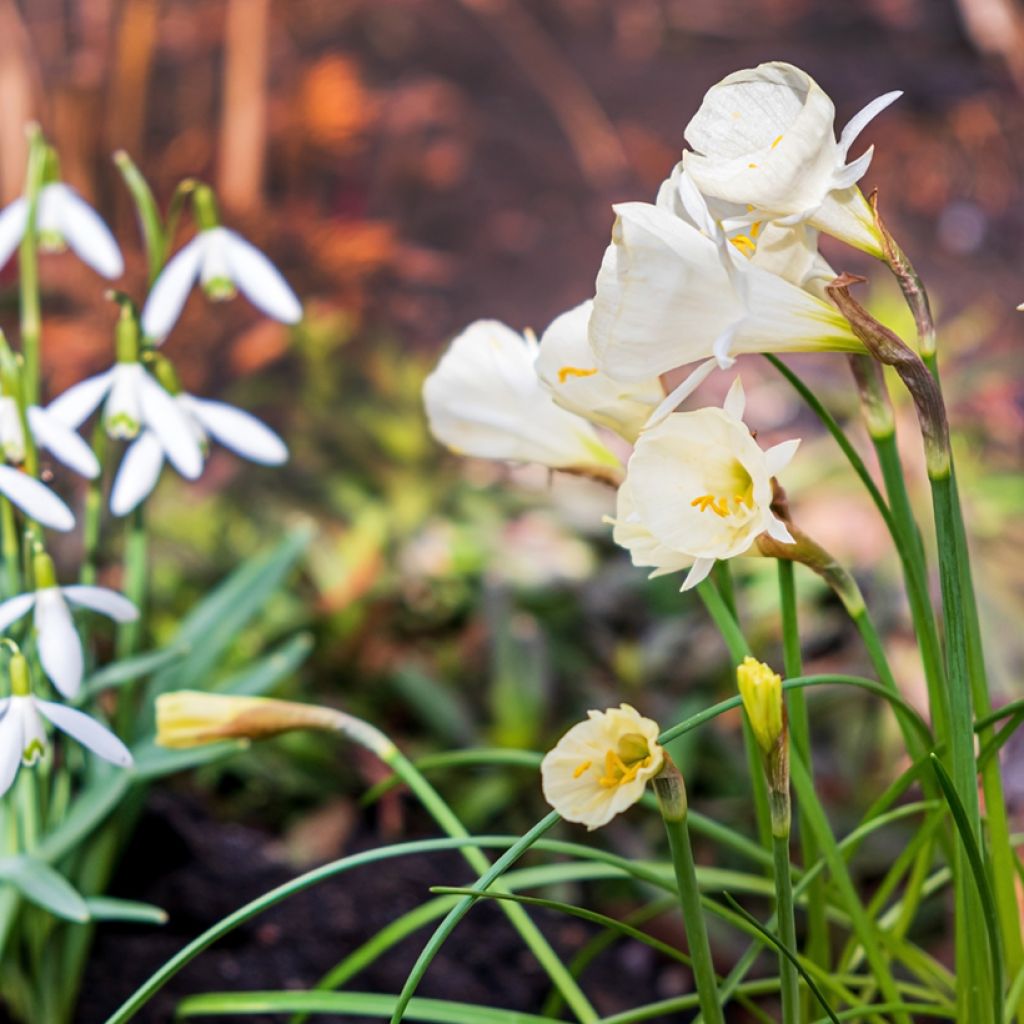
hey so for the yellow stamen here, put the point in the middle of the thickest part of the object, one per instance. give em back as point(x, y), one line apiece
point(617, 772)
point(575, 371)
point(752, 166)
point(720, 506)
point(776, 142)
point(745, 244)
point(585, 767)
point(755, 229)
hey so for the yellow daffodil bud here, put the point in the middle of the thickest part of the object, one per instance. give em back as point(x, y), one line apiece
point(761, 690)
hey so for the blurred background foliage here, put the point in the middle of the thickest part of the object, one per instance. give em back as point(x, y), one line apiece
point(414, 164)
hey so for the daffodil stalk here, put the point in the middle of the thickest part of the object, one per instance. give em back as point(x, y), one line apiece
point(671, 793)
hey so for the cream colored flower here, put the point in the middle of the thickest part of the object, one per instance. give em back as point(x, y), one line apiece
point(485, 399)
point(644, 549)
point(669, 294)
point(601, 766)
point(761, 690)
point(700, 485)
point(567, 366)
point(765, 137)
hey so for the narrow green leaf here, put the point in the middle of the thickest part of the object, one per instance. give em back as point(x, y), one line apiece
point(262, 675)
point(127, 670)
point(42, 885)
point(108, 908)
point(153, 762)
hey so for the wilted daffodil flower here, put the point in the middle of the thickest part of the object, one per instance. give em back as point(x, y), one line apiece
point(485, 399)
point(235, 429)
point(567, 366)
point(700, 485)
point(668, 295)
point(765, 137)
point(601, 766)
point(60, 649)
point(63, 217)
point(222, 261)
point(23, 735)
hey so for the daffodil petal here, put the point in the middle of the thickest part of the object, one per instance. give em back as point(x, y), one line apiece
point(102, 599)
point(84, 230)
point(35, 499)
point(137, 474)
point(167, 298)
point(239, 431)
point(166, 419)
point(260, 281)
point(864, 117)
point(63, 442)
point(779, 456)
point(735, 400)
point(853, 172)
point(78, 403)
point(778, 530)
point(60, 649)
point(698, 573)
point(90, 733)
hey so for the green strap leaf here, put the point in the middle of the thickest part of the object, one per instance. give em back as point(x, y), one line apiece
point(45, 887)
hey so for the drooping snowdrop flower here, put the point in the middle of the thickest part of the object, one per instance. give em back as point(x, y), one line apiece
point(567, 366)
point(765, 137)
point(601, 766)
point(63, 217)
point(133, 400)
point(35, 499)
point(668, 294)
point(242, 433)
point(485, 399)
point(23, 734)
point(60, 649)
point(222, 261)
point(48, 432)
point(700, 485)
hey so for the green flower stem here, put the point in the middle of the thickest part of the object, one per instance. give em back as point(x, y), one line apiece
point(736, 642)
point(28, 265)
point(93, 517)
point(787, 930)
point(818, 950)
point(129, 634)
point(672, 800)
point(11, 548)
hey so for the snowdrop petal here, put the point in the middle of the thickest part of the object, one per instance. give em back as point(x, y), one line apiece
point(13, 219)
point(167, 297)
point(35, 499)
point(698, 573)
point(64, 443)
point(79, 726)
point(735, 401)
point(77, 404)
point(778, 457)
point(167, 420)
point(11, 744)
point(14, 608)
point(239, 431)
point(138, 473)
point(260, 281)
point(84, 230)
point(102, 599)
point(863, 118)
point(60, 649)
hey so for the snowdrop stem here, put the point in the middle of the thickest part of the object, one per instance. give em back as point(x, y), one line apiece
point(153, 234)
point(11, 548)
point(135, 580)
point(93, 513)
point(28, 265)
point(126, 332)
point(204, 205)
point(671, 793)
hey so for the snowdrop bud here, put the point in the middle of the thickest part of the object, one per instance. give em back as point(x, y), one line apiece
point(21, 685)
point(126, 335)
point(44, 571)
point(164, 371)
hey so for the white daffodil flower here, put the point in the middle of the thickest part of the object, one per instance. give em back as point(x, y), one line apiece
point(789, 251)
point(23, 736)
point(63, 217)
point(132, 400)
point(601, 766)
point(765, 137)
point(668, 294)
point(61, 441)
point(221, 260)
point(60, 648)
point(242, 433)
point(567, 366)
point(700, 486)
point(485, 399)
point(645, 551)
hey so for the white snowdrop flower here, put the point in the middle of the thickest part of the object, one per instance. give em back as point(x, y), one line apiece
point(485, 399)
point(49, 433)
point(132, 400)
point(668, 295)
point(221, 260)
point(567, 366)
point(600, 767)
point(765, 136)
point(63, 217)
point(35, 499)
point(235, 429)
point(700, 486)
point(23, 738)
point(60, 649)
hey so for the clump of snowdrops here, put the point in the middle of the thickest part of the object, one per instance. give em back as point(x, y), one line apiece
point(722, 268)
